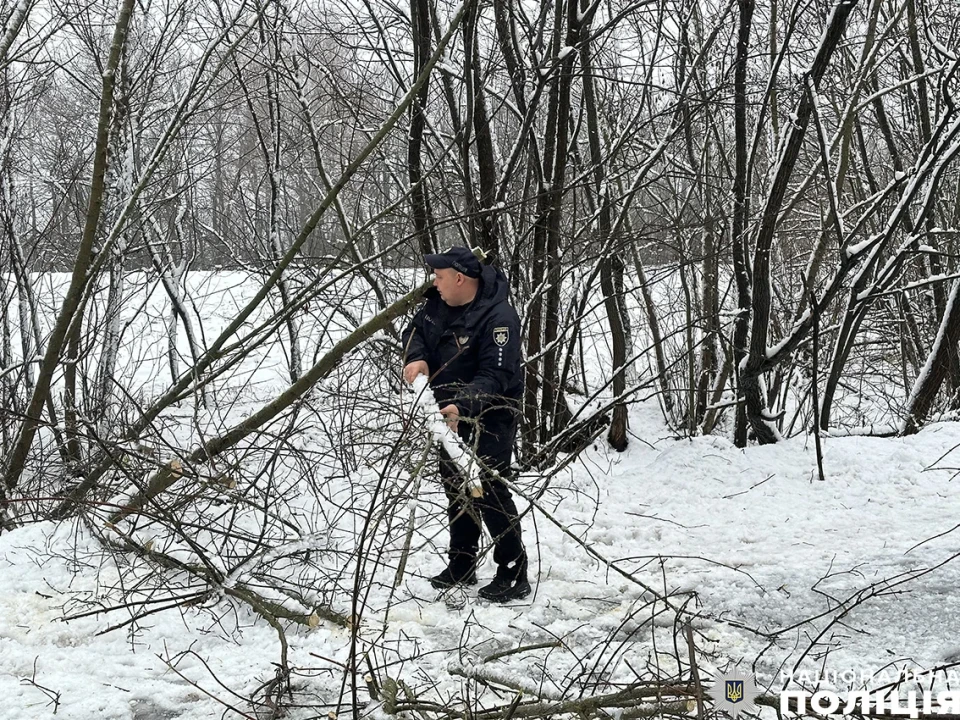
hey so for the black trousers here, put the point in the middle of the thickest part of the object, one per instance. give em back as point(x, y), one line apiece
point(495, 508)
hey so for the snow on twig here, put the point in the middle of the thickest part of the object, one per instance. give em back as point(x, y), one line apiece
point(426, 407)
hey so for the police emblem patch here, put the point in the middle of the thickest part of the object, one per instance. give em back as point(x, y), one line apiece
point(734, 692)
point(501, 335)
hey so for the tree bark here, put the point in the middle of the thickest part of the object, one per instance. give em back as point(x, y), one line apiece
point(554, 396)
point(617, 435)
point(486, 214)
point(423, 226)
point(538, 387)
point(741, 211)
point(750, 375)
point(936, 368)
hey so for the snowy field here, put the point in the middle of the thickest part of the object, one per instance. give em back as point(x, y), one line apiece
point(775, 570)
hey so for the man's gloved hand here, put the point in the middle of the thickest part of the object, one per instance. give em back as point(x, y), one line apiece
point(413, 369)
point(451, 413)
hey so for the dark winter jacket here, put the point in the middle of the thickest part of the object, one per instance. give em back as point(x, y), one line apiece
point(473, 354)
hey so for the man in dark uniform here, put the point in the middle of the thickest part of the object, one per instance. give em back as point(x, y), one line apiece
point(466, 339)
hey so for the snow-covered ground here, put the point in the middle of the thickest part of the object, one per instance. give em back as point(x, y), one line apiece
point(762, 543)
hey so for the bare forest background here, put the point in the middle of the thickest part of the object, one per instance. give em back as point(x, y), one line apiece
point(745, 212)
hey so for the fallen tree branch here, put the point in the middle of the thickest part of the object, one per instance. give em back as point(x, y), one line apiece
point(168, 475)
point(271, 611)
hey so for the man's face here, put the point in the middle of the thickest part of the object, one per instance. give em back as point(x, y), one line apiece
point(449, 283)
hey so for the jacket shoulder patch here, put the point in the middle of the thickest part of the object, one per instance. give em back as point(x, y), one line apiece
point(501, 335)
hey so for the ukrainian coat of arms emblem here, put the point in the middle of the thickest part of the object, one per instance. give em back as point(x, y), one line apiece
point(733, 692)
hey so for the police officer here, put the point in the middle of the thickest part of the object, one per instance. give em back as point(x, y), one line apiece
point(466, 339)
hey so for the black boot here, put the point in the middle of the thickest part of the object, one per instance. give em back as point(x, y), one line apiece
point(503, 590)
point(460, 571)
point(509, 584)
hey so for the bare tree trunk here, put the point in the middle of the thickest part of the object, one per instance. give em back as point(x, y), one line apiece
point(774, 100)
point(484, 218)
point(172, 273)
point(14, 24)
point(934, 265)
point(537, 410)
point(630, 373)
point(711, 315)
point(750, 377)
point(8, 383)
point(106, 370)
point(423, 225)
point(653, 322)
point(272, 152)
point(741, 211)
point(936, 368)
point(689, 298)
point(554, 396)
point(617, 436)
point(27, 306)
point(124, 171)
point(71, 392)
